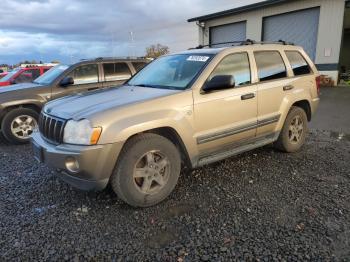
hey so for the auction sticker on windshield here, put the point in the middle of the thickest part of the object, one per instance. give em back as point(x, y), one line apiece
point(198, 58)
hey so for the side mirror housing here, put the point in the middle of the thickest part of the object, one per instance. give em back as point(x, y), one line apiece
point(219, 82)
point(68, 80)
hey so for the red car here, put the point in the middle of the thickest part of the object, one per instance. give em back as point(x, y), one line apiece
point(23, 75)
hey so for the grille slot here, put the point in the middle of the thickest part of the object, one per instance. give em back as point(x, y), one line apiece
point(51, 128)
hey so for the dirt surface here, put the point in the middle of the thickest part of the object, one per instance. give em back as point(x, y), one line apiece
point(263, 205)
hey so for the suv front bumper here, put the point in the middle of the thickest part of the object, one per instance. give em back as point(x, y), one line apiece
point(84, 167)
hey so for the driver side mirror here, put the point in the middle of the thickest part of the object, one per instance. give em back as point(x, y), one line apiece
point(68, 80)
point(219, 82)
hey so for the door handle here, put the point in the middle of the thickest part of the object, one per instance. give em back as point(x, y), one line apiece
point(288, 87)
point(248, 96)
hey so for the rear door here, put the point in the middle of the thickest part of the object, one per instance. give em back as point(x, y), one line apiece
point(273, 82)
point(115, 73)
point(86, 78)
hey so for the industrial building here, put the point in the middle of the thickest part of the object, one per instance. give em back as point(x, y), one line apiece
point(322, 27)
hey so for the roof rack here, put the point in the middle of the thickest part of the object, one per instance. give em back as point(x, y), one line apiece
point(246, 42)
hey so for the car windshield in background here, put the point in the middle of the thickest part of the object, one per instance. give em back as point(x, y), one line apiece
point(10, 75)
point(51, 75)
point(171, 72)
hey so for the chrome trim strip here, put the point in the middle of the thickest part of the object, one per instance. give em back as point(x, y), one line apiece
point(225, 133)
point(229, 132)
point(268, 121)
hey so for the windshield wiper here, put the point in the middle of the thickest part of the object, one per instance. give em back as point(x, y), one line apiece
point(143, 85)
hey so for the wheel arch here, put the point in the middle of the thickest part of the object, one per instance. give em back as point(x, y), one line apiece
point(8, 108)
point(305, 105)
point(171, 134)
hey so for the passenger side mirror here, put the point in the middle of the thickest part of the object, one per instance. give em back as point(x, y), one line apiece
point(68, 80)
point(219, 82)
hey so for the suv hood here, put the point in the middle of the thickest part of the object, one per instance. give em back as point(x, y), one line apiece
point(83, 105)
point(17, 87)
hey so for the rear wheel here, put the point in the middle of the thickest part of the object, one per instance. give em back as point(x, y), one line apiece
point(147, 170)
point(293, 134)
point(19, 124)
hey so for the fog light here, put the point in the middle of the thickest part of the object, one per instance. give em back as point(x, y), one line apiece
point(72, 165)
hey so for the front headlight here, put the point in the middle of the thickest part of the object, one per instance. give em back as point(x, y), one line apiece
point(81, 133)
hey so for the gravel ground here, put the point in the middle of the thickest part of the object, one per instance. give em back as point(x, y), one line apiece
point(262, 205)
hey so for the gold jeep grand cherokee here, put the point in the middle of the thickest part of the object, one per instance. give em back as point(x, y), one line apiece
point(186, 109)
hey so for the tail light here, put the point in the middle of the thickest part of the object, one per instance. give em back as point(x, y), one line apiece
point(318, 84)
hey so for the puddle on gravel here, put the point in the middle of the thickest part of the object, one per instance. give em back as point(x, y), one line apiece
point(42, 210)
point(162, 239)
point(180, 210)
point(340, 136)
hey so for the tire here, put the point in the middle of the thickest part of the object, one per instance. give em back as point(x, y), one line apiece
point(21, 114)
point(147, 170)
point(291, 139)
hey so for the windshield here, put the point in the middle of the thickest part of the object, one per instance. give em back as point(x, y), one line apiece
point(171, 72)
point(50, 75)
point(10, 75)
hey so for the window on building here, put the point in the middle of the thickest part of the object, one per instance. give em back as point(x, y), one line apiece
point(116, 71)
point(236, 65)
point(85, 74)
point(139, 65)
point(298, 63)
point(270, 65)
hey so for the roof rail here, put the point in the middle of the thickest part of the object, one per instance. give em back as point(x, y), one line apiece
point(245, 42)
point(121, 57)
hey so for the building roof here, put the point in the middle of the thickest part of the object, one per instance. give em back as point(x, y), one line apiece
point(238, 10)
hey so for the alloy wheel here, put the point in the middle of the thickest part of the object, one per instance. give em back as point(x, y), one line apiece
point(151, 172)
point(23, 126)
point(296, 130)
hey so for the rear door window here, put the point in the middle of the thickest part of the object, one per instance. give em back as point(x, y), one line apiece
point(270, 65)
point(298, 63)
point(86, 74)
point(116, 71)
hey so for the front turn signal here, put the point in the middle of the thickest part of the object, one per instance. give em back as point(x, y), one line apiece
point(95, 136)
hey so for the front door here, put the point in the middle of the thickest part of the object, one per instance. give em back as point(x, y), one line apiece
point(86, 78)
point(226, 117)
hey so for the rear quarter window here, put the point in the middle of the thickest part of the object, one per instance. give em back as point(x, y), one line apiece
point(298, 63)
point(270, 65)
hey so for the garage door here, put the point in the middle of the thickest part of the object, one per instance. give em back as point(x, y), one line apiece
point(228, 33)
point(299, 27)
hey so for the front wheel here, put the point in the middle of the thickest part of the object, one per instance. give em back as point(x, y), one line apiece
point(293, 134)
point(147, 170)
point(19, 124)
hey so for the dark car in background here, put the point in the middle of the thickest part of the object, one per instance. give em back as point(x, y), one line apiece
point(20, 104)
point(24, 74)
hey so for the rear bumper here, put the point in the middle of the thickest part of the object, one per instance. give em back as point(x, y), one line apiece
point(84, 167)
point(314, 105)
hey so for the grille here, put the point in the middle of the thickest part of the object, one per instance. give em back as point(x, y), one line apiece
point(51, 128)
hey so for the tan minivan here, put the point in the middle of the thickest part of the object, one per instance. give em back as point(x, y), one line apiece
point(186, 109)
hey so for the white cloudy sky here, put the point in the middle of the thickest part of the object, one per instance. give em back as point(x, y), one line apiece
point(75, 29)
